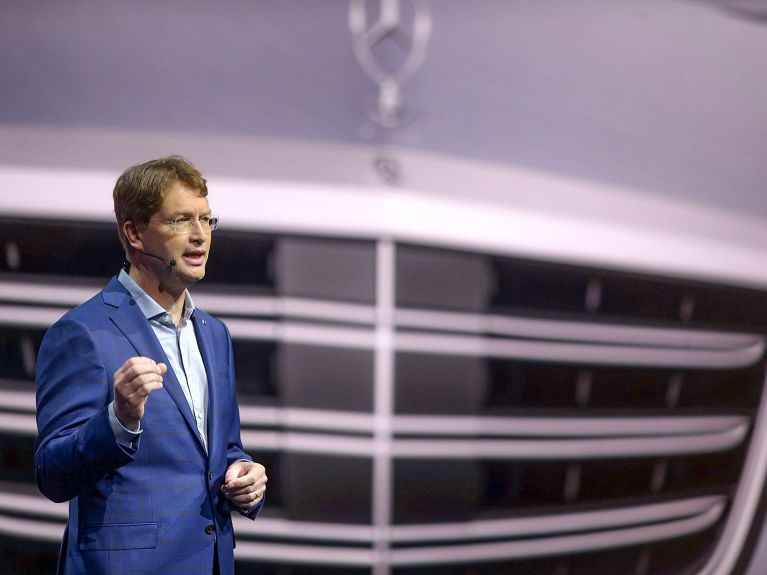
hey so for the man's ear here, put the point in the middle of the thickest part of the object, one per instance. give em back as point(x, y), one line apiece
point(133, 234)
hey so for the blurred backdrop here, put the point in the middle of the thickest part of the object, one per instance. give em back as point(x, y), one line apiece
point(495, 270)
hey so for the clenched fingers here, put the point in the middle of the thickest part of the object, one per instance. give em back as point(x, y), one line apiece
point(133, 382)
point(245, 483)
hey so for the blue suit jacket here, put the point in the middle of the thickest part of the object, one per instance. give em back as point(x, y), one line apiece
point(155, 508)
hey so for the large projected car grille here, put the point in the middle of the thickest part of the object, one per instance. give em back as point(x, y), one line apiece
point(426, 410)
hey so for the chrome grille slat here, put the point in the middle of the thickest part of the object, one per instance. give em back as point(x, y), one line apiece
point(590, 330)
point(581, 353)
point(533, 450)
point(571, 449)
point(565, 427)
point(556, 522)
point(544, 547)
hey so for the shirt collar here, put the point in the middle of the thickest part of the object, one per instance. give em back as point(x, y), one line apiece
point(150, 308)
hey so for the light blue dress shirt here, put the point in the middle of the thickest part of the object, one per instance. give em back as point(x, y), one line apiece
point(180, 346)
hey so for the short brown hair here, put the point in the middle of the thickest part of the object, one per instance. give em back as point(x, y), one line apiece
point(140, 190)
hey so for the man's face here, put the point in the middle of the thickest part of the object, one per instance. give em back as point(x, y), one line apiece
point(188, 247)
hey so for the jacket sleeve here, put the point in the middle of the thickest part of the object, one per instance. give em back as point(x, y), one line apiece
point(234, 449)
point(75, 446)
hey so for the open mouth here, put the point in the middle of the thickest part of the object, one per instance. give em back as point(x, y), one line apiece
point(195, 258)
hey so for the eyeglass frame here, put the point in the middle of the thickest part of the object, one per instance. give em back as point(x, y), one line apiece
point(207, 223)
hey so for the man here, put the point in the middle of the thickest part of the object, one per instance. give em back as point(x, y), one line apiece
point(136, 403)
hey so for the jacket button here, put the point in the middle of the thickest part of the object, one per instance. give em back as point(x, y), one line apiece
point(210, 529)
point(210, 475)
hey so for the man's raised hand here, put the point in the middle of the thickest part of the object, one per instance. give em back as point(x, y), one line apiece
point(133, 382)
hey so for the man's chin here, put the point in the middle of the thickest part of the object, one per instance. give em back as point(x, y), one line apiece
point(195, 274)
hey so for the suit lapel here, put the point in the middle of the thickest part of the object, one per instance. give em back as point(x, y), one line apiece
point(205, 344)
point(131, 322)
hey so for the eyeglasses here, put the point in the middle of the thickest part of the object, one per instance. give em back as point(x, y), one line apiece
point(183, 225)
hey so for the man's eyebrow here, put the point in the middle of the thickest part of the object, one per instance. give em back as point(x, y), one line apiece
point(188, 214)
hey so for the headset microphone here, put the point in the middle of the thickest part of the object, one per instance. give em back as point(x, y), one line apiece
point(171, 262)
